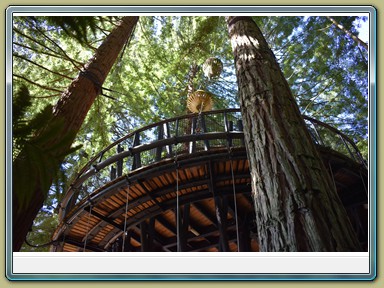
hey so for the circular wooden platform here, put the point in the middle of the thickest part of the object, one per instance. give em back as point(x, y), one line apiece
point(196, 199)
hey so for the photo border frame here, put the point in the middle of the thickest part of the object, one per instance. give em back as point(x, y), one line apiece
point(212, 9)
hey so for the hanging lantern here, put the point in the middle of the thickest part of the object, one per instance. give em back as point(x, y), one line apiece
point(199, 101)
point(212, 67)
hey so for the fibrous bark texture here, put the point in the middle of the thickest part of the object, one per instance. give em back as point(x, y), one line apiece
point(70, 110)
point(296, 203)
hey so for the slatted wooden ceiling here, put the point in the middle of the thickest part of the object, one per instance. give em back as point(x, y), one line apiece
point(153, 200)
point(207, 220)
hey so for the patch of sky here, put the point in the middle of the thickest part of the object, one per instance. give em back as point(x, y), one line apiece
point(362, 26)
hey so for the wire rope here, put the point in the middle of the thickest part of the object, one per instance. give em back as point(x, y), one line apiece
point(88, 230)
point(177, 209)
point(125, 219)
point(234, 201)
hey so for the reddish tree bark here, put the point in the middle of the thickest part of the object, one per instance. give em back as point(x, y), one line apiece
point(71, 110)
point(296, 203)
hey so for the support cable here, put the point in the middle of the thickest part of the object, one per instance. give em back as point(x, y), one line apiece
point(88, 230)
point(234, 201)
point(365, 186)
point(125, 219)
point(177, 202)
point(177, 209)
point(67, 226)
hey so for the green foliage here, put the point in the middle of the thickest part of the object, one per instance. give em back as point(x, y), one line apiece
point(37, 153)
point(326, 71)
point(24, 129)
point(74, 27)
point(21, 101)
point(39, 237)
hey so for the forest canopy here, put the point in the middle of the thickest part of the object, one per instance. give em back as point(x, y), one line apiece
point(326, 69)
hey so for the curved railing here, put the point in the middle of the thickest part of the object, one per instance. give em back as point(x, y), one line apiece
point(180, 136)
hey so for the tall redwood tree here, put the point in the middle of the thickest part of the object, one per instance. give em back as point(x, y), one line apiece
point(296, 203)
point(71, 111)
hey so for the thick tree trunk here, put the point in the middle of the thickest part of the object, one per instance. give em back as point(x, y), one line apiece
point(297, 206)
point(71, 109)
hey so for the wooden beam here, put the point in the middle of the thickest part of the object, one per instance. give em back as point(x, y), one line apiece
point(156, 238)
point(94, 230)
point(206, 213)
point(147, 192)
point(149, 236)
point(80, 244)
point(221, 205)
point(244, 244)
point(214, 241)
point(144, 236)
point(154, 211)
point(136, 156)
point(119, 163)
point(184, 216)
point(166, 224)
point(159, 149)
point(221, 208)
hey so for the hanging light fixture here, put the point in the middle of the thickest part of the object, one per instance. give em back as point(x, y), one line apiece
point(212, 67)
point(199, 101)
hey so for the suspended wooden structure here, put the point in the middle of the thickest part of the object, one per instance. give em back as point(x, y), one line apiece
point(199, 101)
point(212, 67)
point(167, 188)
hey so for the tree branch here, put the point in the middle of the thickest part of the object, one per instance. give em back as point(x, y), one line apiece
point(42, 67)
point(36, 84)
point(349, 33)
point(45, 53)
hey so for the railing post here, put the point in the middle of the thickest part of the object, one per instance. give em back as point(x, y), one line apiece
point(177, 127)
point(221, 204)
point(136, 157)
point(240, 125)
point(192, 144)
point(167, 134)
point(204, 127)
point(229, 137)
point(119, 164)
point(160, 135)
point(241, 129)
point(225, 121)
point(113, 173)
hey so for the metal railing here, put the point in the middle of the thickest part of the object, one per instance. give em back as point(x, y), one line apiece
point(178, 136)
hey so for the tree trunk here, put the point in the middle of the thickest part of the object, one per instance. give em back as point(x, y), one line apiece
point(71, 110)
point(296, 203)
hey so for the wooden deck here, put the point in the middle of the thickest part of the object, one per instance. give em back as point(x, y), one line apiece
point(197, 200)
